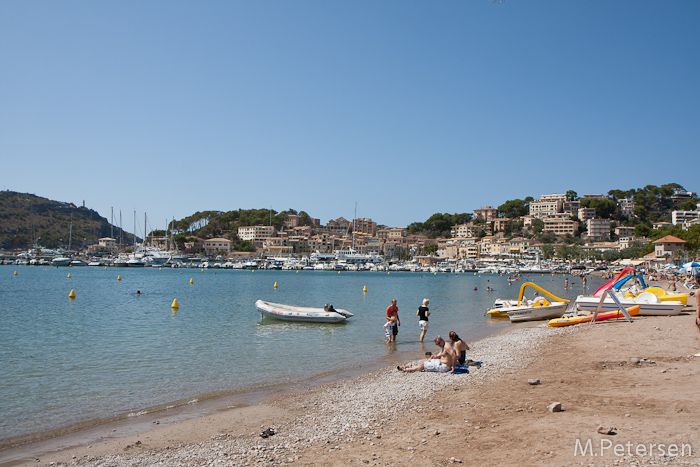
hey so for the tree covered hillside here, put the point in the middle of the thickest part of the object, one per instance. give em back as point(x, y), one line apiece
point(27, 220)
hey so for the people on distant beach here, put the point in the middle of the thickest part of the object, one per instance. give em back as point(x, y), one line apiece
point(393, 310)
point(389, 329)
point(443, 362)
point(423, 314)
point(459, 346)
point(697, 311)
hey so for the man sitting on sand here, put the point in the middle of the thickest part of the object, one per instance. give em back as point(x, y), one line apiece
point(443, 362)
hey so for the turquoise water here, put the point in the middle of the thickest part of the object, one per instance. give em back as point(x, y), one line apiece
point(110, 352)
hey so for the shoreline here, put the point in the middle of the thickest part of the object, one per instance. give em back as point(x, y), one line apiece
point(348, 415)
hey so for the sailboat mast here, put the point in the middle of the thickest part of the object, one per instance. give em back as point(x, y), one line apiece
point(145, 223)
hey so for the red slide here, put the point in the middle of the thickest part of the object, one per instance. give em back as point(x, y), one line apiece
point(610, 283)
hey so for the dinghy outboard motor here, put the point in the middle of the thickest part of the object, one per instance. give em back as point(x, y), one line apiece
point(329, 308)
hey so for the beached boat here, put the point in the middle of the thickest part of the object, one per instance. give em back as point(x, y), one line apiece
point(531, 310)
point(649, 304)
point(571, 320)
point(327, 314)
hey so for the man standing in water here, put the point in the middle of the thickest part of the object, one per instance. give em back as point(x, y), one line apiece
point(393, 310)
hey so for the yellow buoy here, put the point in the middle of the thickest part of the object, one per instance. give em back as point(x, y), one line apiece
point(175, 305)
point(191, 281)
point(202, 270)
point(160, 269)
point(297, 271)
point(435, 273)
point(71, 294)
point(388, 272)
point(275, 284)
point(15, 273)
point(338, 272)
point(68, 275)
point(364, 289)
point(119, 278)
point(105, 268)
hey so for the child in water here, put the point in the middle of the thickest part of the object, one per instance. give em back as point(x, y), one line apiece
point(389, 328)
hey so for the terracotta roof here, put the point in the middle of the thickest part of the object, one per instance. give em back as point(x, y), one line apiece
point(669, 239)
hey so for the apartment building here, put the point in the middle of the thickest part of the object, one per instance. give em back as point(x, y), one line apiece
point(391, 233)
point(466, 230)
point(598, 228)
point(256, 233)
point(584, 214)
point(560, 225)
point(216, 245)
point(547, 205)
point(626, 206)
point(365, 226)
point(680, 217)
point(488, 213)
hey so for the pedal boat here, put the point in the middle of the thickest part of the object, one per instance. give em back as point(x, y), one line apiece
point(531, 310)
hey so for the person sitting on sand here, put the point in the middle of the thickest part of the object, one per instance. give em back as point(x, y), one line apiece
point(389, 328)
point(460, 347)
point(443, 362)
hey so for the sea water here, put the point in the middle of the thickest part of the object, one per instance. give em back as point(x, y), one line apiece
point(111, 352)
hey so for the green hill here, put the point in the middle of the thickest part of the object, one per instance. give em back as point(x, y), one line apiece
point(27, 220)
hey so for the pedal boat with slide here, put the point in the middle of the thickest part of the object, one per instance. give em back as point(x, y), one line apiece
point(327, 314)
point(530, 310)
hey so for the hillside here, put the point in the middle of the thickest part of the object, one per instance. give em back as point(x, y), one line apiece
point(26, 220)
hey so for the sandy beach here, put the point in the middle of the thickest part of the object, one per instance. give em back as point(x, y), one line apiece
point(638, 380)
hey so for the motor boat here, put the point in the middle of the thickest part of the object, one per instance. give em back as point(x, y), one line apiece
point(327, 314)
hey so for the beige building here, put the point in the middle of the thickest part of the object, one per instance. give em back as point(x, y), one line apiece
point(547, 205)
point(626, 206)
point(291, 221)
point(572, 207)
point(668, 245)
point(466, 230)
point(586, 213)
point(391, 233)
point(559, 225)
point(598, 228)
point(624, 231)
point(500, 224)
point(256, 233)
point(365, 226)
point(217, 245)
point(488, 213)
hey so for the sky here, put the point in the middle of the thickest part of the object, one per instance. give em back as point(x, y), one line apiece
point(403, 108)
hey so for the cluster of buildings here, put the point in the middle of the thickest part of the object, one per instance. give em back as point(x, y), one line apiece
point(482, 238)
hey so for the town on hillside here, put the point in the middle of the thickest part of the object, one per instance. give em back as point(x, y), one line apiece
point(659, 224)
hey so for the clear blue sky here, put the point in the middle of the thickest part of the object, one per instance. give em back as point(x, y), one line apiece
point(406, 107)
